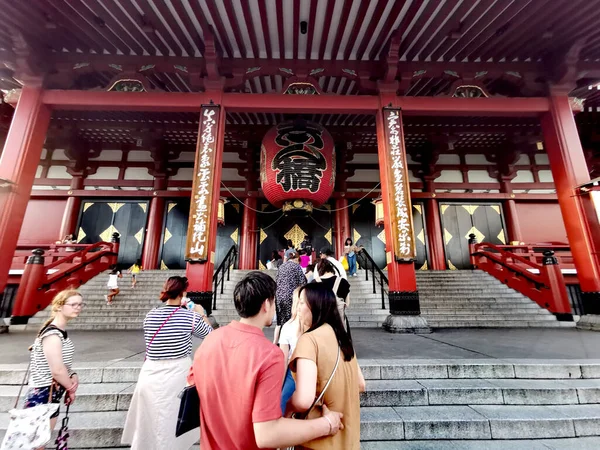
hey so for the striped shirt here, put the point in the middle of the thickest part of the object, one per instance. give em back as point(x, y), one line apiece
point(174, 340)
point(40, 374)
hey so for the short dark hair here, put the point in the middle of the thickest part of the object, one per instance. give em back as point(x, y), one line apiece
point(251, 292)
point(326, 251)
point(325, 267)
point(290, 243)
point(323, 306)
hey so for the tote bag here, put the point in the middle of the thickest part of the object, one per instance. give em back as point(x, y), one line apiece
point(29, 428)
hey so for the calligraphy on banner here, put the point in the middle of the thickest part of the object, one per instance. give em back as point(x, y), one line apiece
point(197, 248)
point(400, 208)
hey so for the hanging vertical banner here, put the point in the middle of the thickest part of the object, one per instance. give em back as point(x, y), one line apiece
point(197, 247)
point(400, 208)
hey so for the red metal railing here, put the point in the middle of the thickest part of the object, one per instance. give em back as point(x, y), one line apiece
point(544, 285)
point(55, 268)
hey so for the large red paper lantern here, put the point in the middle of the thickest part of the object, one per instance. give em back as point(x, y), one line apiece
point(297, 165)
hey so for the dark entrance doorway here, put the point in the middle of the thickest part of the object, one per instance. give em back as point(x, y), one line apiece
point(372, 238)
point(459, 220)
point(99, 219)
point(275, 229)
point(175, 233)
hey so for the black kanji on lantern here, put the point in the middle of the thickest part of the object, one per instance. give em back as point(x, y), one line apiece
point(300, 164)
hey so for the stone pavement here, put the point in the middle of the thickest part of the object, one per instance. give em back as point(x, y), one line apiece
point(453, 389)
point(94, 346)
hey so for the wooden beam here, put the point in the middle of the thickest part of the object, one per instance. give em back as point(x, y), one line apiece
point(268, 103)
point(126, 101)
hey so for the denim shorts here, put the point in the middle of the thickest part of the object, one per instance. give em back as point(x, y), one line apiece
point(289, 386)
point(40, 395)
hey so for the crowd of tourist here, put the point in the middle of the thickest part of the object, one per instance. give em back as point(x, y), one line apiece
point(302, 392)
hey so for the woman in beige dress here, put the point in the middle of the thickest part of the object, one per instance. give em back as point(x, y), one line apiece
point(314, 360)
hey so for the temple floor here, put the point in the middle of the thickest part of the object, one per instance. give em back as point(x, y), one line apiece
point(370, 343)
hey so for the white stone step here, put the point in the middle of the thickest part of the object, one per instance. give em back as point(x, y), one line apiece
point(435, 392)
point(103, 429)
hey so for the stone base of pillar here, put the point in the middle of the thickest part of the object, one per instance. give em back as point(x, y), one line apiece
point(404, 303)
point(19, 320)
point(202, 298)
point(406, 324)
point(589, 322)
point(591, 302)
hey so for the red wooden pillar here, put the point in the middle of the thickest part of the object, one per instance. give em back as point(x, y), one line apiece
point(569, 170)
point(18, 165)
point(154, 230)
point(437, 259)
point(512, 221)
point(200, 274)
point(510, 212)
point(403, 296)
point(71, 214)
point(342, 225)
point(249, 236)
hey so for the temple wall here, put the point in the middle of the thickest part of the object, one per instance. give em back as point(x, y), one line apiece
point(42, 221)
point(541, 222)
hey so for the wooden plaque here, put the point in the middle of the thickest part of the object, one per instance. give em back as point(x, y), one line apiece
point(403, 244)
point(202, 202)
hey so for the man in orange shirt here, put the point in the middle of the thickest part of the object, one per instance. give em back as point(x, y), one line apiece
point(239, 376)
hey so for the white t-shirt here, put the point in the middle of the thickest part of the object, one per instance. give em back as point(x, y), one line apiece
point(339, 266)
point(289, 336)
point(113, 282)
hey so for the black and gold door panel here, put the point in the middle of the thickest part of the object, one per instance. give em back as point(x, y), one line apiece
point(229, 234)
point(175, 233)
point(99, 219)
point(484, 220)
point(372, 238)
point(275, 229)
point(172, 255)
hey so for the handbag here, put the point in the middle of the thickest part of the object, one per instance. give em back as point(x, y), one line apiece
point(188, 418)
point(29, 428)
point(344, 262)
point(340, 303)
point(63, 434)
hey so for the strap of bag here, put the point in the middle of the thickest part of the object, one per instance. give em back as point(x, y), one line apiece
point(336, 286)
point(22, 384)
point(320, 397)
point(160, 328)
point(42, 331)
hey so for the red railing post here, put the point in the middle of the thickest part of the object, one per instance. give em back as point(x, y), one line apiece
point(116, 242)
point(559, 303)
point(28, 298)
point(472, 250)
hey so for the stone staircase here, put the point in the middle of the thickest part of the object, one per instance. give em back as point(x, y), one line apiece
point(417, 404)
point(473, 298)
point(450, 299)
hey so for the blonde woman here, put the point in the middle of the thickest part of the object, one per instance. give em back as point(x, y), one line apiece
point(290, 332)
point(52, 355)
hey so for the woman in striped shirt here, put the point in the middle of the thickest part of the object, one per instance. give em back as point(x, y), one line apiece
point(168, 332)
point(52, 355)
